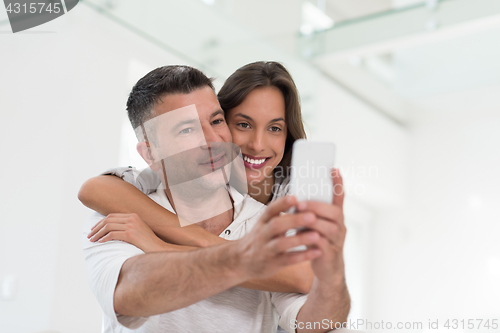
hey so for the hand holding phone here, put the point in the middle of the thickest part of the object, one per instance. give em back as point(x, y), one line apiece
point(312, 164)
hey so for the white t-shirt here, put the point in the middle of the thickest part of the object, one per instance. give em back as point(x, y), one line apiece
point(234, 310)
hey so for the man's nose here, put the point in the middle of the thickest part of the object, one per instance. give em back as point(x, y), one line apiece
point(212, 138)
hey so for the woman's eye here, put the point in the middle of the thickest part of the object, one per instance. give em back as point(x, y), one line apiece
point(275, 129)
point(243, 125)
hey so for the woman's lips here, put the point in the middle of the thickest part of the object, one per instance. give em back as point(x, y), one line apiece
point(254, 162)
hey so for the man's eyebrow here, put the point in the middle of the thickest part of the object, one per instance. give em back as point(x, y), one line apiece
point(184, 122)
point(216, 113)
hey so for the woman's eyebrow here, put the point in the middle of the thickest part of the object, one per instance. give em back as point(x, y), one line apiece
point(250, 118)
point(243, 115)
point(277, 119)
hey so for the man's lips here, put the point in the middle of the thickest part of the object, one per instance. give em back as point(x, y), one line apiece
point(216, 162)
point(254, 162)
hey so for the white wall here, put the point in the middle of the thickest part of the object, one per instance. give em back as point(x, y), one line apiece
point(372, 151)
point(63, 90)
point(440, 258)
point(373, 157)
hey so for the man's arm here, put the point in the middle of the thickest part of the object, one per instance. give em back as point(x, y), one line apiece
point(156, 283)
point(132, 229)
point(326, 300)
point(291, 279)
point(329, 298)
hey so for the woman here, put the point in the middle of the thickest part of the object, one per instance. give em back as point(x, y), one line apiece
point(262, 110)
point(257, 97)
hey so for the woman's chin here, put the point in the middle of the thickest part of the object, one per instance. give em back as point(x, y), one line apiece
point(252, 181)
point(256, 181)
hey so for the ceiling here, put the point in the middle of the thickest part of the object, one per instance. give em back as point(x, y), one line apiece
point(387, 52)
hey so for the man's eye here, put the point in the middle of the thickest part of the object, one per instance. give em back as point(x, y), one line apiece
point(243, 125)
point(186, 130)
point(275, 129)
point(218, 121)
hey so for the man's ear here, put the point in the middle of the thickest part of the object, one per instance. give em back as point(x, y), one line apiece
point(144, 150)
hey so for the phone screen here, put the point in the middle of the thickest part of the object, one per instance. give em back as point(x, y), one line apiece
point(311, 168)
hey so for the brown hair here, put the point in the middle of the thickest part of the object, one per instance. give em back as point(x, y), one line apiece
point(267, 74)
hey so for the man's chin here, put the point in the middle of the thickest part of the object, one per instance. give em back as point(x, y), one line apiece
point(214, 180)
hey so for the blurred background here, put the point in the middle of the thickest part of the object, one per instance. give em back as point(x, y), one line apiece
point(409, 91)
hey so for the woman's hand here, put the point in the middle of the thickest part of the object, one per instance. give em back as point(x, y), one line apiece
point(131, 229)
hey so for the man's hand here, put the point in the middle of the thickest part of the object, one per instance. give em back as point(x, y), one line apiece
point(264, 251)
point(329, 298)
point(330, 225)
point(161, 282)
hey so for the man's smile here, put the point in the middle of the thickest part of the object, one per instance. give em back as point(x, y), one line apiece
point(216, 161)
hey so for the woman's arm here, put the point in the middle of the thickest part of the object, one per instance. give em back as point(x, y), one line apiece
point(110, 194)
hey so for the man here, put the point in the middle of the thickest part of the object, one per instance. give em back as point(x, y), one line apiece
point(197, 291)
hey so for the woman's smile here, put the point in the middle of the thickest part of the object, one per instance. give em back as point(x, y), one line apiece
point(253, 162)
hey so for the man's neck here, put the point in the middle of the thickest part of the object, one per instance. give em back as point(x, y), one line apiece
point(217, 224)
point(213, 212)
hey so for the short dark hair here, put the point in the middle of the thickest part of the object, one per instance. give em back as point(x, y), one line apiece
point(166, 80)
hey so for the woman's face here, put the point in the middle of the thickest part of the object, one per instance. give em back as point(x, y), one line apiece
point(258, 127)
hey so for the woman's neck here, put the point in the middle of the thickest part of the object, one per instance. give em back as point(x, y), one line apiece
point(262, 192)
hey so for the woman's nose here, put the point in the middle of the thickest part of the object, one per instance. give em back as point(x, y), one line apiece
point(257, 142)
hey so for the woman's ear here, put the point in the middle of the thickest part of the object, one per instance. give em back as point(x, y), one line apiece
point(144, 150)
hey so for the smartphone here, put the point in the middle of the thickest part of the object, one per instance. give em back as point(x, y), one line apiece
point(310, 176)
point(311, 169)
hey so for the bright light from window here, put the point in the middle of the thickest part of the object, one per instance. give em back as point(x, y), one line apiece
point(313, 19)
point(475, 201)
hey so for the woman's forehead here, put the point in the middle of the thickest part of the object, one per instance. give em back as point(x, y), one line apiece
point(261, 104)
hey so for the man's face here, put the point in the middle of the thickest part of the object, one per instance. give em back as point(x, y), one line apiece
point(189, 137)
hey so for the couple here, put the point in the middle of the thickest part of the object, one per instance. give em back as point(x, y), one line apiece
point(231, 271)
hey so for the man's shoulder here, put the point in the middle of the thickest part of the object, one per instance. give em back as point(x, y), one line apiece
point(160, 198)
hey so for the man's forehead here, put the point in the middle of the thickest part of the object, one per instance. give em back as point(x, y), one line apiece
point(183, 113)
point(173, 118)
point(204, 98)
